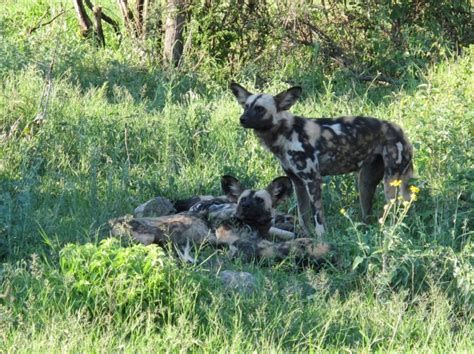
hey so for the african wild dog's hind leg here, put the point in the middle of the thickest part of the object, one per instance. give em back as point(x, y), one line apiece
point(305, 209)
point(368, 178)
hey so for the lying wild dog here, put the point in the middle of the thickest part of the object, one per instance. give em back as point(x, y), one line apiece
point(217, 209)
point(255, 209)
point(311, 148)
point(249, 247)
point(240, 225)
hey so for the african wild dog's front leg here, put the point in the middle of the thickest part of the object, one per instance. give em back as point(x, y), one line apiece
point(305, 209)
point(398, 169)
point(368, 178)
point(313, 183)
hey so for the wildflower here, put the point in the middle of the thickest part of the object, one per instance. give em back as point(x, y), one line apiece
point(413, 196)
point(415, 190)
point(343, 211)
point(396, 183)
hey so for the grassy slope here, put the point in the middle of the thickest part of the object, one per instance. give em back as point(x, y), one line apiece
point(117, 133)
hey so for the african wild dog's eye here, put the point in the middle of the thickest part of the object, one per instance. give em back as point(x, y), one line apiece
point(259, 109)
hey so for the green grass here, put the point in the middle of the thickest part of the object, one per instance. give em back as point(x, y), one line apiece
point(117, 132)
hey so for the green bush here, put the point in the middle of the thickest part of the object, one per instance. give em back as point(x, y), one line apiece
point(109, 278)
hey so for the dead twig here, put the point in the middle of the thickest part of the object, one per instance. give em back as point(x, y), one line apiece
point(126, 145)
point(377, 78)
point(38, 22)
point(44, 102)
point(39, 25)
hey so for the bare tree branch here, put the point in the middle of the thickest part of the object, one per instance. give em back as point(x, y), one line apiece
point(39, 25)
point(127, 16)
point(106, 18)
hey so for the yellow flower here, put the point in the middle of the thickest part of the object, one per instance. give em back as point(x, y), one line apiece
point(414, 189)
point(396, 183)
point(413, 197)
point(343, 211)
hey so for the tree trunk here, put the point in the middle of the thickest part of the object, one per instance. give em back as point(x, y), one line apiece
point(85, 23)
point(128, 17)
point(175, 20)
point(139, 19)
point(98, 25)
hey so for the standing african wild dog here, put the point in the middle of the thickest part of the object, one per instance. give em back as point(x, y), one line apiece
point(311, 148)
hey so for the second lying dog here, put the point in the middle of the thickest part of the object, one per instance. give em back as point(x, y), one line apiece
point(241, 221)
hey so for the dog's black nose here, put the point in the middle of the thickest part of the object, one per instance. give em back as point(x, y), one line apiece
point(246, 204)
point(243, 119)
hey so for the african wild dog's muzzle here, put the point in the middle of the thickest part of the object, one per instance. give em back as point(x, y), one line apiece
point(244, 120)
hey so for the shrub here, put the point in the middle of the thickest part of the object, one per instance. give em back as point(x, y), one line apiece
point(110, 278)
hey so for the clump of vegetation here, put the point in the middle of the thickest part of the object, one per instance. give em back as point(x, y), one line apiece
point(112, 279)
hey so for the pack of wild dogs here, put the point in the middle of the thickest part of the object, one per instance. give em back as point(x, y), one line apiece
point(246, 222)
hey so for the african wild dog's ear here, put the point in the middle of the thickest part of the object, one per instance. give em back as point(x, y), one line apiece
point(240, 93)
point(280, 189)
point(231, 187)
point(284, 100)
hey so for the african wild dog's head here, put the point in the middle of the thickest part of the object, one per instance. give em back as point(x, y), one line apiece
point(256, 208)
point(263, 111)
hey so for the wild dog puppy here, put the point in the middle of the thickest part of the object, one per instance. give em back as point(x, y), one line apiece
point(255, 209)
point(311, 148)
point(249, 231)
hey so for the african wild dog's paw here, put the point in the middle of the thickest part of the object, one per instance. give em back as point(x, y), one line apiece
point(281, 234)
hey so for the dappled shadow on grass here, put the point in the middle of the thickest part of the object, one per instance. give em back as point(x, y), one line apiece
point(155, 87)
point(149, 84)
point(40, 215)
